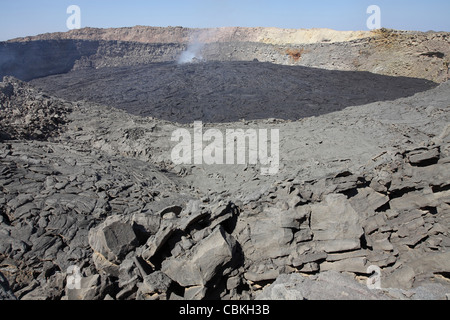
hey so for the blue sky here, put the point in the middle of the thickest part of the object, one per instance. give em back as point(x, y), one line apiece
point(31, 17)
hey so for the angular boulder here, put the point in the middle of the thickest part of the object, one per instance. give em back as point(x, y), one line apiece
point(335, 222)
point(113, 239)
point(203, 261)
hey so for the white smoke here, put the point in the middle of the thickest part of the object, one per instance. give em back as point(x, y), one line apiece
point(192, 54)
point(197, 42)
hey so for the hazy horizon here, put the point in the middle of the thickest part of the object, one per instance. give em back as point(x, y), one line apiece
point(28, 18)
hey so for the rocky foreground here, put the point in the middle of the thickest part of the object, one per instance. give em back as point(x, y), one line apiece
point(93, 207)
point(93, 187)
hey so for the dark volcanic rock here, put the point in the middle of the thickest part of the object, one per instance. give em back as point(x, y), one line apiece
point(29, 114)
point(5, 290)
point(113, 239)
point(33, 59)
point(100, 194)
point(227, 91)
point(328, 285)
point(197, 268)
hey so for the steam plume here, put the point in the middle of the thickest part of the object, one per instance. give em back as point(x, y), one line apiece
point(192, 54)
point(197, 42)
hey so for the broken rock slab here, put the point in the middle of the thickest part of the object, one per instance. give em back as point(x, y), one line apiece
point(356, 265)
point(94, 287)
point(154, 284)
point(414, 200)
point(156, 241)
point(424, 156)
point(199, 265)
point(329, 285)
point(402, 278)
point(335, 224)
point(113, 239)
point(270, 233)
point(367, 201)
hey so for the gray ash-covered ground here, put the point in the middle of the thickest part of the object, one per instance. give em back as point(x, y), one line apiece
point(101, 195)
point(26, 114)
point(87, 178)
point(228, 91)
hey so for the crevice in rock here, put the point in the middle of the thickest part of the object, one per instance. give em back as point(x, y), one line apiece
point(176, 288)
point(401, 192)
point(166, 250)
point(361, 183)
point(425, 163)
point(432, 54)
point(437, 189)
point(48, 272)
point(432, 210)
point(243, 287)
point(446, 275)
point(230, 224)
point(344, 174)
point(217, 287)
point(385, 207)
point(413, 246)
point(141, 233)
point(143, 267)
point(263, 283)
point(5, 217)
point(363, 242)
point(350, 193)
